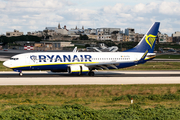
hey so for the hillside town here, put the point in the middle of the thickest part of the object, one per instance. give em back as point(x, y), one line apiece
point(55, 38)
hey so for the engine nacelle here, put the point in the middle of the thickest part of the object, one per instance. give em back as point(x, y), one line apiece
point(77, 69)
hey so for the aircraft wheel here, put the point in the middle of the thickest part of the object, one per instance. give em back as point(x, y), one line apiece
point(20, 74)
point(91, 73)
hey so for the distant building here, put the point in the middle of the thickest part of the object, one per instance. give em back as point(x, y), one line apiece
point(36, 33)
point(76, 31)
point(170, 39)
point(117, 37)
point(131, 33)
point(176, 37)
point(102, 36)
point(62, 31)
point(51, 29)
point(163, 38)
point(125, 38)
point(60, 37)
point(93, 32)
point(88, 31)
point(138, 37)
point(14, 34)
point(105, 33)
point(44, 45)
point(93, 37)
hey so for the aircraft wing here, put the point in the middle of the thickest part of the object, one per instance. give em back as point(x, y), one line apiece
point(113, 64)
point(104, 65)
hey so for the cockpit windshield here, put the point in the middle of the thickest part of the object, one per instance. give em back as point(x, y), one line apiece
point(14, 58)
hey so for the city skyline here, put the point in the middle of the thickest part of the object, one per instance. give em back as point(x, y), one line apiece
point(35, 15)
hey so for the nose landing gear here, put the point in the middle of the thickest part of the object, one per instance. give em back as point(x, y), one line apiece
point(21, 74)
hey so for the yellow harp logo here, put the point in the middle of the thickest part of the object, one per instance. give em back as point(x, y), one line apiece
point(150, 39)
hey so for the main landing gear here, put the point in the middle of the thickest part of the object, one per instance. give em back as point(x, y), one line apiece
point(91, 73)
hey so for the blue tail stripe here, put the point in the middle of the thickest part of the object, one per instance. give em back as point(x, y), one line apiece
point(148, 41)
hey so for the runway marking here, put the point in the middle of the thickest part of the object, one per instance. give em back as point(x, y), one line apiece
point(102, 78)
point(89, 81)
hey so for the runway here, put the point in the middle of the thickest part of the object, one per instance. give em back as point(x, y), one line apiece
point(100, 78)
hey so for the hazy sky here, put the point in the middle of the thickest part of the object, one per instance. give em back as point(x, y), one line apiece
point(35, 15)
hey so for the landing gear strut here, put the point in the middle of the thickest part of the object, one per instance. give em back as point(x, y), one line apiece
point(20, 74)
point(91, 73)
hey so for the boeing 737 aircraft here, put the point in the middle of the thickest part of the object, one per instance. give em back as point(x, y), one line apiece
point(85, 62)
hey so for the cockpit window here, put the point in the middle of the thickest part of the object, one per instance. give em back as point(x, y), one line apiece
point(14, 58)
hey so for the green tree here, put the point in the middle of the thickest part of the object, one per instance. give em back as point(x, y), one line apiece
point(83, 37)
point(7, 40)
point(87, 45)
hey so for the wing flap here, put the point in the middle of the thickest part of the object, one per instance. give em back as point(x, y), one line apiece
point(104, 65)
point(114, 64)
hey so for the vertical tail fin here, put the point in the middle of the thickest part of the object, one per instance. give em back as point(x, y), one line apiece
point(148, 41)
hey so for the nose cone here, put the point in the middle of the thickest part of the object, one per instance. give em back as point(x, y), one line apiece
point(6, 63)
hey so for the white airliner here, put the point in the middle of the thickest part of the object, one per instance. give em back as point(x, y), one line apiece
point(85, 62)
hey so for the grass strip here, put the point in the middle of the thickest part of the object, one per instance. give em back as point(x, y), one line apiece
point(168, 56)
point(93, 96)
point(80, 112)
point(155, 66)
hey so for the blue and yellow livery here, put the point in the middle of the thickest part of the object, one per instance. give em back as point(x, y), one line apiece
point(85, 62)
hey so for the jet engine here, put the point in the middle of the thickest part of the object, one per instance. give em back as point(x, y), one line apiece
point(77, 69)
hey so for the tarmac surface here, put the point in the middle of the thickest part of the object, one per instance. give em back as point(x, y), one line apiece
point(100, 78)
